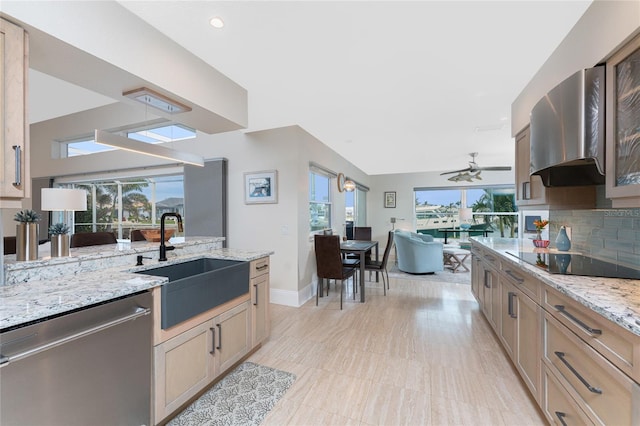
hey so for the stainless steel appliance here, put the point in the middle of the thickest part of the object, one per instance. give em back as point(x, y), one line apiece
point(567, 131)
point(88, 367)
point(576, 264)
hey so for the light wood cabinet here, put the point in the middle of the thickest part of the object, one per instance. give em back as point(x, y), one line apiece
point(183, 366)
point(260, 315)
point(15, 180)
point(531, 193)
point(521, 331)
point(604, 393)
point(581, 367)
point(233, 336)
point(622, 134)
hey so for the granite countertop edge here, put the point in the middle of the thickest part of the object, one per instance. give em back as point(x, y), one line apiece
point(616, 299)
point(35, 300)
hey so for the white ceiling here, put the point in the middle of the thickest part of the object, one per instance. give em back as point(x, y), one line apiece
point(392, 86)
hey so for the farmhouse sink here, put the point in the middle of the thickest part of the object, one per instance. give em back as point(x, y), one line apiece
point(196, 286)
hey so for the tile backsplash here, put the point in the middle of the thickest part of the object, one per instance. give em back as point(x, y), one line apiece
point(612, 234)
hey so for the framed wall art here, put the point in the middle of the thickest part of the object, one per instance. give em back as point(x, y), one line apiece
point(390, 200)
point(261, 187)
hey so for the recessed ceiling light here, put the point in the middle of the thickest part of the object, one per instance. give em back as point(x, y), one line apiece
point(216, 22)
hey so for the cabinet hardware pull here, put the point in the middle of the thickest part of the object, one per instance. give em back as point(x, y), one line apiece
point(261, 268)
point(219, 347)
point(18, 154)
point(511, 295)
point(213, 343)
point(573, 370)
point(567, 314)
point(256, 287)
point(561, 417)
point(514, 276)
point(486, 281)
point(525, 193)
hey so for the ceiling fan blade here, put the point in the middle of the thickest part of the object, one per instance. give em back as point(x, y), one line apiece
point(496, 168)
point(468, 169)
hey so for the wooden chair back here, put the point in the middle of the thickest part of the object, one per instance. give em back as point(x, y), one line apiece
point(362, 233)
point(84, 239)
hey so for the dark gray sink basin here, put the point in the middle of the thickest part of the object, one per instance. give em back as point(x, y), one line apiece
point(198, 285)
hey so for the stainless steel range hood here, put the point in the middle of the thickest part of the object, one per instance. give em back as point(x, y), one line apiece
point(567, 131)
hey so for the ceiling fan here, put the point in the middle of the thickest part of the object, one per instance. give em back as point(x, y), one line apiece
point(473, 171)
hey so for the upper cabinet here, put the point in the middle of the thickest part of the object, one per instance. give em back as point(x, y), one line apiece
point(623, 126)
point(15, 180)
point(531, 193)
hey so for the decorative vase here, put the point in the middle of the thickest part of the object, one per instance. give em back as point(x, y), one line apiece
point(563, 243)
point(26, 241)
point(60, 245)
point(539, 234)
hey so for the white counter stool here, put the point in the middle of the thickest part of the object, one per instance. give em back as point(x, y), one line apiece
point(454, 258)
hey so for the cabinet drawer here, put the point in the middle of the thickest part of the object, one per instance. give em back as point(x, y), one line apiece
point(259, 267)
point(612, 341)
point(528, 284)
point(558, 406)
point(490, 260)
point(605, 393)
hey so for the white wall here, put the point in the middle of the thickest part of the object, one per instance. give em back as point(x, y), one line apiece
point(603, 29)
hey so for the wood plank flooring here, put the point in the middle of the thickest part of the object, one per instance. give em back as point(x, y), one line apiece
point(422, 355)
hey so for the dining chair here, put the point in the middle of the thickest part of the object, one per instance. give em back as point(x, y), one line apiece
point(329, 264)
point(381, 266)
point(84, 239)
point(9, 245)
point(136, 235)
point(362, 233)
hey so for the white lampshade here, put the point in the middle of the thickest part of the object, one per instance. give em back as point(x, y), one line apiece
point(61, 199)
point(465, 213)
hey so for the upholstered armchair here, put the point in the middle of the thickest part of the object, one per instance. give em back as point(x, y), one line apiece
point(418, 253)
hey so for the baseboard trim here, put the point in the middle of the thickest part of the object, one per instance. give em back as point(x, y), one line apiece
point(292, 298)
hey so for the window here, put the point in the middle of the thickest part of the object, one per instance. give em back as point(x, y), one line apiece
point(120, 205)
point(493, 208)
point(150, 134)
point(319, 201)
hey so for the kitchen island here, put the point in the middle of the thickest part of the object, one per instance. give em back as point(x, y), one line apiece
point(574, 340)
point(51, 286)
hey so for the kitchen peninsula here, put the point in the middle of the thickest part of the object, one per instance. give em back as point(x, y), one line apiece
point(575, 340)
point(102, 302)
point(51, 286)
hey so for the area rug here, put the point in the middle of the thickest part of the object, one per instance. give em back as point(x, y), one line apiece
point(244, 397)
point(460, 277)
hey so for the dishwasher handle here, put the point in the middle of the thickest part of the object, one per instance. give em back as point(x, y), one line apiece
point(139, 312)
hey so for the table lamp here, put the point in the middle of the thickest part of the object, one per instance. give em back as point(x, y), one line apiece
point(64, 200)
point(465, 215)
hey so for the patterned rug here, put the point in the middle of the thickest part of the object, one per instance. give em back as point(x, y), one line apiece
point(244, 397)
point(460, 277)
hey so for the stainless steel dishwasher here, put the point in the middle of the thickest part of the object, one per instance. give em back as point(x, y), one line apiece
point(88, 367)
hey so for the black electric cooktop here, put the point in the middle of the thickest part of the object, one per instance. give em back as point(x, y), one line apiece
point(576, 264)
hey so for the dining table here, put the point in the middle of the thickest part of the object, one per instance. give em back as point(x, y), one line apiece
point(360, 248)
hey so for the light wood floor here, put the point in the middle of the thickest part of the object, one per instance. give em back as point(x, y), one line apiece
point(422, 355)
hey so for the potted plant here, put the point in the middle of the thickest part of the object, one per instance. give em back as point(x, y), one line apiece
point(27, 234)
point(59, 233)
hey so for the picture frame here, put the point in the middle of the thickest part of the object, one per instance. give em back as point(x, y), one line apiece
point(261, 187)
point(390, 200)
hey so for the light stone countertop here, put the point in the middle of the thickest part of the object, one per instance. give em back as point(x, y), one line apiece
point(614, 298)
point(50, 286)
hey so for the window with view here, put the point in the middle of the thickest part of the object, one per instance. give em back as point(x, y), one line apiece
point(126, 204)
point(319, 201)
point(492, 209)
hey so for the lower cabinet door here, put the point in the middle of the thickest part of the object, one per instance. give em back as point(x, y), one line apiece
point(260, 309)
point(183, 366)
point(507, 330)
point(233, 336)
point(558, 406)
point(529, 342)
